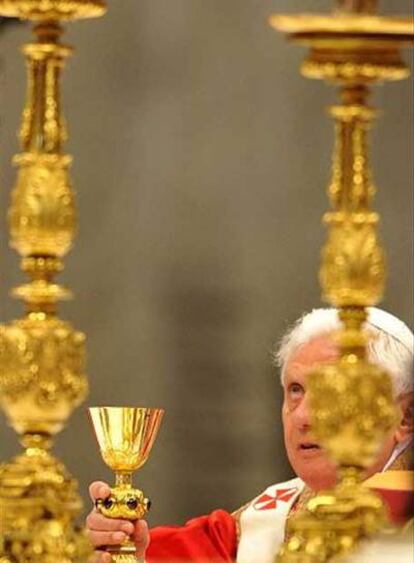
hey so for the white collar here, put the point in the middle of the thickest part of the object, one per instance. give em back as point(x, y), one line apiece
point(397, 451)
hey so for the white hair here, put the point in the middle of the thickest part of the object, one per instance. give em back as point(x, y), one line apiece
point(392, 349)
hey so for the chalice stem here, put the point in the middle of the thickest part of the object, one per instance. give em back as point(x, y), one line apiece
point(123, 480)
point(125, 553)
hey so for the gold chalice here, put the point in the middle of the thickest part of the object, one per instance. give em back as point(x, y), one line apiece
point(125, 437)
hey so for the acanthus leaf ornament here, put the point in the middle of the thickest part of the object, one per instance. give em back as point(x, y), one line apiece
point(42, 215)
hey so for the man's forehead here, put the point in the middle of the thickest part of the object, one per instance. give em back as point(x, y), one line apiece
point(320, 349)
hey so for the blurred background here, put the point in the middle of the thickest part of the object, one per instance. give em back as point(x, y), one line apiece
point(201, 163)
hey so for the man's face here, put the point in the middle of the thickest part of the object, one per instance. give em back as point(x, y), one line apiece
point(309, 461)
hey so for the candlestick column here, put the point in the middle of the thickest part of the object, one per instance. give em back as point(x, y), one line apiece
point(42, 357)
point(351, 400)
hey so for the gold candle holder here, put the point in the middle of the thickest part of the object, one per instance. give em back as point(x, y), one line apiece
point(352, 404)
point(42, 358)
point(125, 437)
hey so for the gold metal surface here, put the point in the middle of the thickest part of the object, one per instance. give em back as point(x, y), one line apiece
point(352, 403)
point(353, 264)
point(350, 47)
point(125, 436)
point(42, 358)
point(394, 28)
point(50, 10)
point(42, 373)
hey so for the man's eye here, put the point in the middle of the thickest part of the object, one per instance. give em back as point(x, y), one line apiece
point(296, 390)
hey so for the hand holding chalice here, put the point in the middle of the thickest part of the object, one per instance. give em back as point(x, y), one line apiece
point(125, 437)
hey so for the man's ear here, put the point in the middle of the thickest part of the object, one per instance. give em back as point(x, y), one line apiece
point(406, 426)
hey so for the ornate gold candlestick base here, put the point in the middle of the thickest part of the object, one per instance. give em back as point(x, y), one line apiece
point(334, 522)
point(125, 436)
point(39, 502)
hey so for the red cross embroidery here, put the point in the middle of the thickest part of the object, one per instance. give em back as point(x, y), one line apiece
point(269, 502)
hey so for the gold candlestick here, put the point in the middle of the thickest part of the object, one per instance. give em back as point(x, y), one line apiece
point(125, 437)
point(352, 403)
point(42, 374)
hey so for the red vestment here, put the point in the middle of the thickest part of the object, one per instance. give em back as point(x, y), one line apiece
point(207, 539)
point(214, 538)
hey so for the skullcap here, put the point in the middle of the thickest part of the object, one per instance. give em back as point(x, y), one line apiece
point(392, 326)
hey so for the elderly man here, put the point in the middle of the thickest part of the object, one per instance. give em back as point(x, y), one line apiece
point(256, 531)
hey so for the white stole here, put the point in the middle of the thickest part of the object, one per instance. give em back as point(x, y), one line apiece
point(263, 522)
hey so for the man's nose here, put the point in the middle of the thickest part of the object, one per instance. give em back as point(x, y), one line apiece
point(303, 413)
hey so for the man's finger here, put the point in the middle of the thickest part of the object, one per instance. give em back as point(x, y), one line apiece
point(101, 557)
point(98, 523)
point(99, 489)
point(141, 537)
point(99, 539)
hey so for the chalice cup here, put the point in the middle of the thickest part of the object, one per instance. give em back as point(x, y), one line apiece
point(125, 436)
